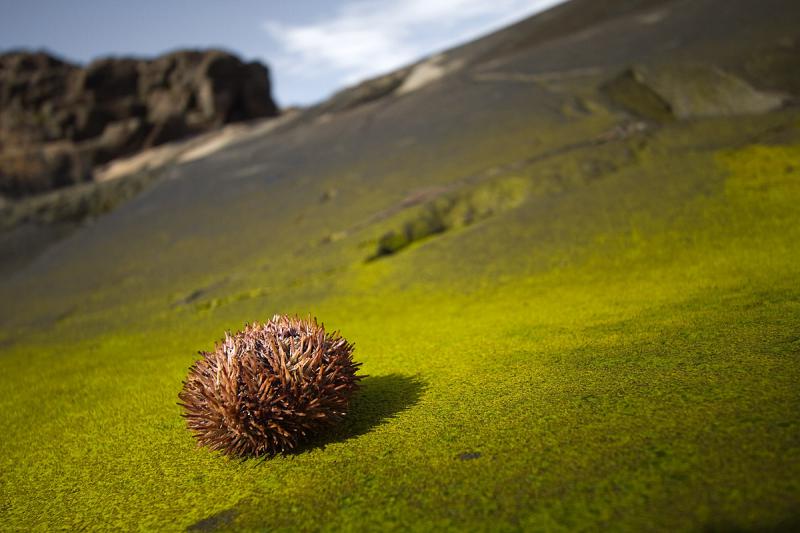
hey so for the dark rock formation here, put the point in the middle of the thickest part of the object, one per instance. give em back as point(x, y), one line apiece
point(57, 120)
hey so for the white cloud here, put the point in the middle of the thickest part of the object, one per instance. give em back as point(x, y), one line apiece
point(366, 38)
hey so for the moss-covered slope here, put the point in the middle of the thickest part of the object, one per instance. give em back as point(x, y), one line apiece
point(602, 332)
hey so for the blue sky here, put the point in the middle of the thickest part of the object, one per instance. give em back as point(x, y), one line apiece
point(313, 47)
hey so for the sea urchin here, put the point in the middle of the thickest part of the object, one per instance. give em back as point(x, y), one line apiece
point(268, 387)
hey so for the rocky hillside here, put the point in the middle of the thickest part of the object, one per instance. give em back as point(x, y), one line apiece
point(568, 255)
point(58, 121)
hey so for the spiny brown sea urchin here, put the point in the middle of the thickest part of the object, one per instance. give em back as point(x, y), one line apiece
point(266, 388)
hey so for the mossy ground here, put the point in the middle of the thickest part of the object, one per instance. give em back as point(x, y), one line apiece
point(620, 351)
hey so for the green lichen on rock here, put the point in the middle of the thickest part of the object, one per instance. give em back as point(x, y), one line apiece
point(454, 211)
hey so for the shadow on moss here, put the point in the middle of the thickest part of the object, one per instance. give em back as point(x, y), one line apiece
point(379, 399)
point(216, 522)
point(787, 525)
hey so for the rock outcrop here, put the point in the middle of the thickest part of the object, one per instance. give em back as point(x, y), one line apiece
point(688, 91)
point(58, 120)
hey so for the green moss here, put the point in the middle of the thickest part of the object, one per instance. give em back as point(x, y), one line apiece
point(620, 352)
point(212, 303)
point(454, 211)
point(768, 170)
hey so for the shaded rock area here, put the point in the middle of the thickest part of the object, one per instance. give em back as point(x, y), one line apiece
point(773, 67)
point(687, 91)
point(58, 120)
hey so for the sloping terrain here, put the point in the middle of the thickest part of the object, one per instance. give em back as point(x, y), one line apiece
point(577, 302)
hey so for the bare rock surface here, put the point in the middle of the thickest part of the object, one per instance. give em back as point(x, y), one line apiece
point(688, 91)
point(58, 121)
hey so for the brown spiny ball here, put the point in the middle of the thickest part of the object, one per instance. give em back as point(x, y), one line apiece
point(268, 387)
